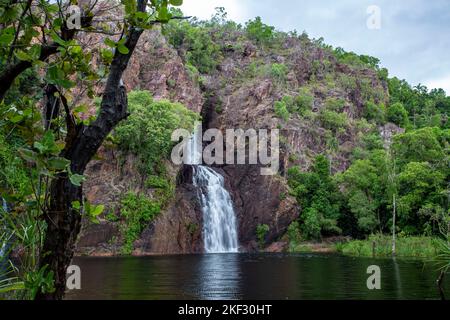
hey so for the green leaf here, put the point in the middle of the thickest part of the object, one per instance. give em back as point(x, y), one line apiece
point(35, 51)
point(164, 14)
point(97, 210)
point(57, 76)
point(28, 155)
point(77, 179)
point(110, 43)
point(122, 49)
point(176, 3)
point(58, 163)
point(76, 205)
point(16, 118)
point(7, 36)
point(47, 145)
point(58, 39)
point(22, 55)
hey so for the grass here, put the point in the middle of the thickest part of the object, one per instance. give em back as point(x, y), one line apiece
point(381, 246)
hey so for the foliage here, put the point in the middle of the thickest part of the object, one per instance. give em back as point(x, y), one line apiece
point(424, 107)
point(375, 112)
point(332, 120)
point(364, 190)
point(422, 145)
point(261, 33)
point(147, 131)
point(278, 72)
point(137, 210)
point(397, 114)
point(353, 59)
point(419, 247)
point(293, 234)
point(304, 101)
point(333, 104)
point(261, 232)
point(421, 192)
point(281, 110)
point(317, 194)
point(196, 40)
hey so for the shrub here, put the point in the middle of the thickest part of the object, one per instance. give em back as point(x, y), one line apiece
point(347, 82)
point(261, 232)
point(200, 49)
point(397, 114)
point(304, 101)
point(381, 246)
point(293, 234)
point(137, 210)
point(259, 32)
point(311, 223)
point(164, 187)
point(333, 120)
point(281, 110)
point(278, 72)
point(147, 131)
point(335, 104)
point(375, 112)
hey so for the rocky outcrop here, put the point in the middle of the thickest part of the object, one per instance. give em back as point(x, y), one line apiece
point(178, 229)
point(229, 98)
point(259, 200)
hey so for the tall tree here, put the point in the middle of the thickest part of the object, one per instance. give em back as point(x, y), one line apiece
point(57, 50)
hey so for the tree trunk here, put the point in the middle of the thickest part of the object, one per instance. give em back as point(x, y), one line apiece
point(64, 221)
point(63, 226)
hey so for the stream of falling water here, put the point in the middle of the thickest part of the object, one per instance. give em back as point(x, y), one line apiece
point(219, 220)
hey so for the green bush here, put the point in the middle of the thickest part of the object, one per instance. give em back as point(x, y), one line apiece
point(397, 114)
point(147, 131)
point(304, 101)
point(375, 112)
point(260, 32)
point(13, 174)
point(281, 110)
point(318, 196)
point(333, 120)
point(196, 40)
point(137, 211)
point(335, 104)
point(261, 232)
point(293, 234)
point(164, 188)
point(381, 246)
point(278, 72)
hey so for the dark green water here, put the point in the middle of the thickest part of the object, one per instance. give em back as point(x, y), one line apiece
point(252, 276)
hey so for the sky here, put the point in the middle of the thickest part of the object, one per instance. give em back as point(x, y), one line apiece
point(410, 37)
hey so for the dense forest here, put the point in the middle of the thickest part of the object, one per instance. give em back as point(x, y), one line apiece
point(371, 160)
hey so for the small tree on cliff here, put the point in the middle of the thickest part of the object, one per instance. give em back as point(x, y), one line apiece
point(42, 34)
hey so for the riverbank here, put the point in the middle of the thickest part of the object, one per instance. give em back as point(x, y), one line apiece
point(374, 246)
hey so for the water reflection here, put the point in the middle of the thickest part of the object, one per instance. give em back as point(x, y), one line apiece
point(219, 277)
point(252, 276)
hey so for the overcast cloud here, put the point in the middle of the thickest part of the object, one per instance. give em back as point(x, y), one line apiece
point(413, 42)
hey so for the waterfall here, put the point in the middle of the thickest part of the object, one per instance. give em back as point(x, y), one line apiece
point(219, 219)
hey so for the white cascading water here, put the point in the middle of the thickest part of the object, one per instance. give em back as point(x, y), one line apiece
point(219, 220)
